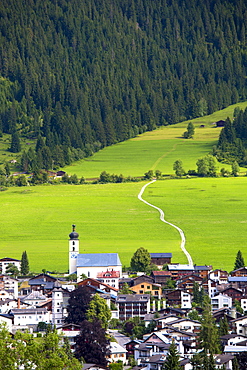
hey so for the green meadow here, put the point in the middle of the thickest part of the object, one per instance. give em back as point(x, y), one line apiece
point(110, 218)
point(157, 149)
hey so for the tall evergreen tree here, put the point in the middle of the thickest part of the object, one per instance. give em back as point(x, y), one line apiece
point(24, 264)
point(15, 146)
point(239, 262)
point(172, 359)
point(208, 337)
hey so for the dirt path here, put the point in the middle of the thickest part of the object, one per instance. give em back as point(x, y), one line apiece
point(162, 218)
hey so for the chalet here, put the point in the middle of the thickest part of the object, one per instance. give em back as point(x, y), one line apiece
point(180, 270)
point(6, 261)
point(26, 318)
point(161, 277)
point(185, 324)
point(43, 282)
point(9, 284)
point(142, 279)
point(219, 276)
point(98, 286)
point(133, 305)
point(233, 293)
point(202, 271)
point(160, 259)
point(154, 290)
point(242, 271)
point(238, 282)
point(130, 347)
point(69, 331)
point(220, 123)
point(239, 325)
point(117, 353)
point(187, 282)
point(231, 339)
point(179, 297)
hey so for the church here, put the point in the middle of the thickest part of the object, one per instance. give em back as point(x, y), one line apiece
point(91, 265)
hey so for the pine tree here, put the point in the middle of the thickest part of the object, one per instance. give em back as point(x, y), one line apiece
point(15, 146)
point(239, 262)
point(208, 337)
point(172, 359)
point(24, 264)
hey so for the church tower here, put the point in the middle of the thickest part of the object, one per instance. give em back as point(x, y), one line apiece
point(73, 250)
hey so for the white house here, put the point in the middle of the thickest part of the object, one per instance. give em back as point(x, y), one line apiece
point(29, 317)
point(4, 262)
point(221, 301)
point(117, 353)
point(240, 325)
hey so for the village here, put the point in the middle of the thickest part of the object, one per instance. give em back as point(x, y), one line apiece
point(166, 300)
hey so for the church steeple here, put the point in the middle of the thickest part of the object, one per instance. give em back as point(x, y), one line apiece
point(73, 250)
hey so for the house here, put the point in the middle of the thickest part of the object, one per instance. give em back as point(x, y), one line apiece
point(161, 277)
point(154, 290)
point(219, 276)
point(243, 302)
point(142, 279)
point(69, 331)
point(238, 282)
point(43, 282)
point(109, 277)
point(9, 284)
point(202, 271)
point(130, 347)
point(34, 298)
point(6, 261)
point(90, 264)
point(242, 271)
point(178, 270)
point(160, 259)
point(187, 282)
point(231, 339)
point(221, 301)
point(239, 325)
point(223, 361)
point(233, 293)
point(117, 353)
point(98, 286)
point(220, 123)
point(131, 305)
point(184, 324)
point(179, 297)
point(28, 318)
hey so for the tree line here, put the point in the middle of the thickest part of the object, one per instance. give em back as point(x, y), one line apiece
point(84, 75)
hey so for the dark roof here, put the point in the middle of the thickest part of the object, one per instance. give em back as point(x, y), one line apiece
point(203, 268)
point(133, 298)
point(161, 255)
point(8, 259)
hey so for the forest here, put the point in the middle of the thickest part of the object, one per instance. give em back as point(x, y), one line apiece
point(80, 75)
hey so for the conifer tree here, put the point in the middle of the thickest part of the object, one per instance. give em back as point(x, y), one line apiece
point(15, 146)
point(208, 337)
point(172, 359)
point(24, 264)
point(239, 262)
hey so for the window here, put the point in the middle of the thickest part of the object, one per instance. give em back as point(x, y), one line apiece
point(142, 286)
point(88, 274)
point(58, 310)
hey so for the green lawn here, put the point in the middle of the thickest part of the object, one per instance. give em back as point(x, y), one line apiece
point(110, 218)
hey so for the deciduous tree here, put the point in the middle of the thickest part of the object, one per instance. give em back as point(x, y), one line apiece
point(140, 260)
point(92, 344)
point(98, 309)
point(78, 305)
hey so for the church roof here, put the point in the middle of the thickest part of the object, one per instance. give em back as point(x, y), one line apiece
point(98, 259)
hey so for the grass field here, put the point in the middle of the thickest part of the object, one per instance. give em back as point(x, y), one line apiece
point(157, 149)
point(110, 218)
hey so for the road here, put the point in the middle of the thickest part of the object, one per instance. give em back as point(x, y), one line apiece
point(162, 218)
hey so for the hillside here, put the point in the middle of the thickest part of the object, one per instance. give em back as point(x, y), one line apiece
point(79, 76)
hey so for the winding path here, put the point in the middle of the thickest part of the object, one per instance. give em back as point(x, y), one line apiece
point(162, 218)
